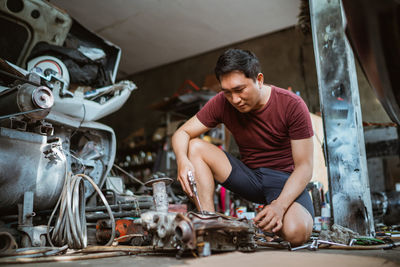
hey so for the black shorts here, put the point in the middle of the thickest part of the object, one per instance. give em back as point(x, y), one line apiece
point(260, 185)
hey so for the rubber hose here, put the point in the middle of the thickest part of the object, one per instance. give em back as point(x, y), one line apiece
point(70, 226)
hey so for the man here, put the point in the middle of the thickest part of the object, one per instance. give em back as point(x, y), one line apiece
point(273, 130)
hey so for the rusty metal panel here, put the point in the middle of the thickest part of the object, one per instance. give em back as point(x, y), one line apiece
point(341, 113)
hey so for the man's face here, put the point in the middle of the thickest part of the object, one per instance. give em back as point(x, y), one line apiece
point(242, 92)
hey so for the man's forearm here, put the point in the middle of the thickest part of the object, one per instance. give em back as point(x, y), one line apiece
point(180, 143)
point(295, 185)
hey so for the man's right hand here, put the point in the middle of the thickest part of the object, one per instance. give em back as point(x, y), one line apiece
point(183, 170)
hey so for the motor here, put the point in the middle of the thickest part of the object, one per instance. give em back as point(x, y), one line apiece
point(48, 108)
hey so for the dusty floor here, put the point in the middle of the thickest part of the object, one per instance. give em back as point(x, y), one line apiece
point(271, 257)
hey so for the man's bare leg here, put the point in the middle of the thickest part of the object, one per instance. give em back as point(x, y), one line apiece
point(210, 163)
point(297, 225)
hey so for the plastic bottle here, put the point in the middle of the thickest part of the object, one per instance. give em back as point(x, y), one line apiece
point(325, 216)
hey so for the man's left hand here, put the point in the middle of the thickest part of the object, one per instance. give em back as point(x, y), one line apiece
point(271, 217)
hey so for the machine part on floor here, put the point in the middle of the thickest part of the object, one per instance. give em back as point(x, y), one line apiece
point(160, 195)
point(161, 226)
point(174, 230)
point(127, 231)
point(204, 249)
point(386, 206)
point(341, 112)
point(224, 233)
point(7, 243)
point(70, 226)
point(271, 244)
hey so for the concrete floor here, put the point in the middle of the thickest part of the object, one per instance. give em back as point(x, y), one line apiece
point(271, 257)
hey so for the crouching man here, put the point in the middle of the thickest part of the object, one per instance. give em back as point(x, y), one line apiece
point(273, 130)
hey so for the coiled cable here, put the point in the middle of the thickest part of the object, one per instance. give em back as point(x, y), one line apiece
point(70, 225)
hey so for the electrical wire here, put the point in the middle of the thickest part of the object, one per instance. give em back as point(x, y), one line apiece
point(70, 225)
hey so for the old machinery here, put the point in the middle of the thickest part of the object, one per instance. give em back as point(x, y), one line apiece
point(56, 79)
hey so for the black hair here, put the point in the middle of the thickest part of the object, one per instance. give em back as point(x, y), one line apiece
point(238, 60)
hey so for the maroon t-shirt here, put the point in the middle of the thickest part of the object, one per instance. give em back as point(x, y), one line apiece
point(264, 135)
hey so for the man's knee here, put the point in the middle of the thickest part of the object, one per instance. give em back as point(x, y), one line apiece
point(296, 233)
point(196, 147)
point(297, 225)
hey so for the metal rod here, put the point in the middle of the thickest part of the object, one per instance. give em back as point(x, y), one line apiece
point(18, 78)
point(20, 113)
point(129, 175)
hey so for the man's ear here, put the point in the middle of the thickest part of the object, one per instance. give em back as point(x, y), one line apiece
point(260, 79)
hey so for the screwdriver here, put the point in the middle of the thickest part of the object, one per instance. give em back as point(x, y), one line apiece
point(194, 189)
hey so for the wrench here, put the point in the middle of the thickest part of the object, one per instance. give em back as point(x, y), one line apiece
point(315, 244)
point(193, 185)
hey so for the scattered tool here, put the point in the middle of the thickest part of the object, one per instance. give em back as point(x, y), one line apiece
point(193, 185)
point(313, 246)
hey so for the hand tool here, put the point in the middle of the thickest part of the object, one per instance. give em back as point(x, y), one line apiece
point(193, 185)
point(313, 246)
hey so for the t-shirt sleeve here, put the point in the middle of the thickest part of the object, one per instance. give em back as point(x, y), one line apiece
point(211, 114)
point(299, 120)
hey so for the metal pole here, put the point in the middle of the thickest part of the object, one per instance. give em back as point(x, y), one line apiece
point(341, 114)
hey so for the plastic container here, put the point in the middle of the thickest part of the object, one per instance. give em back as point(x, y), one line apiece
point(325, 216)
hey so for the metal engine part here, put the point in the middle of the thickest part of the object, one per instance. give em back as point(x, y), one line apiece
point(127, 231)
point(223, 233)
point(160, 223)
point(39, 162)
point(174, 230)
point(162, 227)
point(89, 147)
point(7, 243)
point(35, 102)
point(47, 131)
point(25, 167)
point(160, 196)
